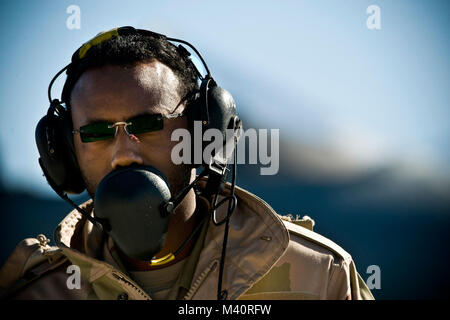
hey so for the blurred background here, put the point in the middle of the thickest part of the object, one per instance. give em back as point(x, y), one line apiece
point(363, 116)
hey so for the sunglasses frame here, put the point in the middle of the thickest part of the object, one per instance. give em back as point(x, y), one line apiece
point(159, 118)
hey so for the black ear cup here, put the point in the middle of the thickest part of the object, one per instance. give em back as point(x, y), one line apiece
point(213, 108)
point(222, 109)
point(57, 157)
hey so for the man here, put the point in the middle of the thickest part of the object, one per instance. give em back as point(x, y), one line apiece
point(130, 75)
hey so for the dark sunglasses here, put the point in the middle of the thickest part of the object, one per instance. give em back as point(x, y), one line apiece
point(107, 130)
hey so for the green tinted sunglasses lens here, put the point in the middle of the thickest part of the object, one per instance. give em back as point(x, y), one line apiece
point(147, 123)
point(96, 132)
point(103, 131)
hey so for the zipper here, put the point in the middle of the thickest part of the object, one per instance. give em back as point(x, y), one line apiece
point(132, 285)
point(197, 283)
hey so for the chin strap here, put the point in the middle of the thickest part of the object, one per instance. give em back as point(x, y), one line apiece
point(99, 223)
point(102, 224)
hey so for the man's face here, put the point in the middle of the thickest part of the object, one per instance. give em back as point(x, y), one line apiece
point(117, 93)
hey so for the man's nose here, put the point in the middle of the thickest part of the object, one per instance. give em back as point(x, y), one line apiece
point(125, 150)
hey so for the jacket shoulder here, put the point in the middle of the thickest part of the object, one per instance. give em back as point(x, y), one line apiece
point(31, 258)
point(303, 228)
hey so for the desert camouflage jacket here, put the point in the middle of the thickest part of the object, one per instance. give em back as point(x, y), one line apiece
point(268, 257)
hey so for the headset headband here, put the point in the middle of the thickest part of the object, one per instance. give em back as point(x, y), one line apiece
point(81, 53)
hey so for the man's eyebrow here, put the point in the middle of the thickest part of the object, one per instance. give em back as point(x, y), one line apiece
point(145, 113)
point(95, 120)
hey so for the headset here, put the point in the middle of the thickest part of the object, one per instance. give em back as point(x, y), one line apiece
point(211, 105)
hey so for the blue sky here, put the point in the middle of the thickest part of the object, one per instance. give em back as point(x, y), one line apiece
point(310, 68)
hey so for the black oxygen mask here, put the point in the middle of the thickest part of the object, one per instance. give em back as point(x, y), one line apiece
point(131, 201)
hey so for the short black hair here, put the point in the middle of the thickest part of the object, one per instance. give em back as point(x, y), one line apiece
point(127, 50)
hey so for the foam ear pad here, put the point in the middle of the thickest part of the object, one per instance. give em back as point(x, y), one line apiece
point(57, 157)
point(222, 108)
point(217, 105)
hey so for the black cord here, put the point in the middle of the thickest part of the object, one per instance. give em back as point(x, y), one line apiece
point(170, 205)
point(188, 239)
point(53, 80)
point(208, 74)
point(94, 221)
point(222, 295)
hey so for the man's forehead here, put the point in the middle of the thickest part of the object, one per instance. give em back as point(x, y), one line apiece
point(119, 92)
